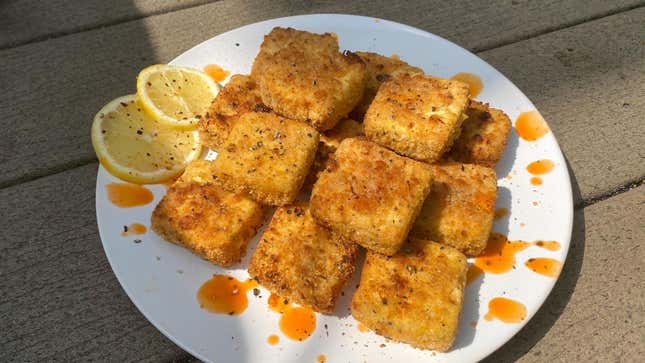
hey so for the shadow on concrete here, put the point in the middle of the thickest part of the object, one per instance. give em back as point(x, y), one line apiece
point(557, 301)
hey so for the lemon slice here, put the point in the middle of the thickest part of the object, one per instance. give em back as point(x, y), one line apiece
point(137, 148)
point(176, 96)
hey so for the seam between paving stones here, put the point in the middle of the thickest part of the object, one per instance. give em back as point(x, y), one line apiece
point(625, 187)
point(474, 50)
point(81, 29)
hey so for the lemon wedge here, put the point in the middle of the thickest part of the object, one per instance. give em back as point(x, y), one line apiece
point(176, 96)
point(136, 147)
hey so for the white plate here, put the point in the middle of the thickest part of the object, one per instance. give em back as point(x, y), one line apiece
point(162, 279)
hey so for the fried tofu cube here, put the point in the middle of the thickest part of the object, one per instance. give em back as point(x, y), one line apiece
point(301, 260)
point(379, 69)
point(483, 136)
point(239, 96)
point(329, 141)
point(267, 157)
point(460, 209)
point(303, 76)
point(370, 195)
point(199, 215)
point(414, 296)
point(417, 116)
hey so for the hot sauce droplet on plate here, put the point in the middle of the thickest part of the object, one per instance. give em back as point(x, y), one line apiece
point(472, 80)
point(506, 310)
point(225, 295)
point(321, 358)
point(536, 180)
point(540, 167)
point(216, 72)
point(298, 323)
point(500, 213)
point(134, 228)
point(531, 126)
point(548, 245)
point(278, 304)
point(499, 255)
point(544, 266)
point(126, 195)
point(273, 339)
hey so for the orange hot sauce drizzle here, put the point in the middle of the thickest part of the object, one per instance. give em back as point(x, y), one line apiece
point(134, 228)
point(126, 195)
point(506, 310)
point(548, 245)
point(279, 304)
point(544, 266)
point(296, 322)
point(472, 80)
point(531, 126)
point(500, 213)
point(273, 339)
point(225, 295)
point(540, 167)
point(536, 180)
point(499, 255)
point(216, 72)
point(321, 358)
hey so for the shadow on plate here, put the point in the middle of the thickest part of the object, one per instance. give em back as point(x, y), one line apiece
point(505, 164)
point(469, 314)
point(504, 201)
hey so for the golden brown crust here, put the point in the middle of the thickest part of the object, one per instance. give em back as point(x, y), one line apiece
point(203, 217)
point(483, 136)
point(303, 76)
point(239, 96)
point(415, 296)
point(329, 141)
point(460, 209)
point(302, 261)
point(417, 115)
point(266, 157)
point(379, 69)
point(370, 195)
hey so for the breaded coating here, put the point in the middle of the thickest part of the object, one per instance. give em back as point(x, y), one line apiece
point(460, 209)
point(417, 116)
point(303, 76)
point(483, 136)
point(415, 296)
point(203, 217)
point(329, 141)
point(302, 261)
point(239, 96)
point(370, 195)
point(379, 69)
point(267, 157)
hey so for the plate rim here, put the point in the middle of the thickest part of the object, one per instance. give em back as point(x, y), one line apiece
point(568, 188)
